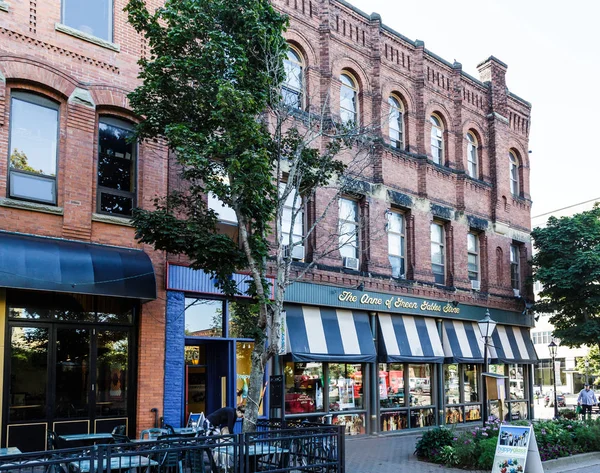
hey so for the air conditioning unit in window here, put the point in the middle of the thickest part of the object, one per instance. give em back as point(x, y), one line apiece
point(516, 292)
point(475, 285)
point(297, 252)
point(351, 263)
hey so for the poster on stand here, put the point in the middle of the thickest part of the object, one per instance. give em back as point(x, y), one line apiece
point(511, 450)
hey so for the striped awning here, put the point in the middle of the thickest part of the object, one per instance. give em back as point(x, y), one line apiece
point(511, 344)
point(462, 342)
point(328, 334)
point(407, 338)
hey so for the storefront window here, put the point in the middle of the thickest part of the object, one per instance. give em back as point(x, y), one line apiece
point(499, 409)
point(518, 411)
point(472, 413)
point(451, 384)
point(345, 387)
point(471, 382)
point(354, 423)
point(203, 318)
point(391, 385)
point(419, 382)
point(454, 415)
point(243, 318)
point(111, 373)
point(243, 365)
point(516, 382)
point(422, 418)
point(391, 421)
point(303, 388)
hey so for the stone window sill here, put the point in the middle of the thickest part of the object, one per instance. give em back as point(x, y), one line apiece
point(112, 219)
point(35, 207)
point(3, 6)
point(86, 37)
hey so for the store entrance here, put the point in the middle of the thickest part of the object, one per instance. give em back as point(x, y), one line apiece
point(206, 376)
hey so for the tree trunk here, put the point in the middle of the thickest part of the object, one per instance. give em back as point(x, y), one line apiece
point(255, 385)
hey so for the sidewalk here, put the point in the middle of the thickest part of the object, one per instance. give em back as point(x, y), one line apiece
point(394, 454)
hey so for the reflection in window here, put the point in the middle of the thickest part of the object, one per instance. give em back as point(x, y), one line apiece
point(472, 158)
point(93, 17)
point(111, 373)
point(348, 228)
point(292, 85)
point(516, 382)
point(471, 382)
point(391, 385)
point(396, 123)
point(72, 373)
point(396, 244)
point(203, 318)
point(303, 387)
point(473, 256)
point(33, 147)
point(419, 382)
point(515, 267)
point(514, 173)
point(116, 167)
point(28, 380)
point(243, 317)
point(345, 387)
point(438, 255)
point(292, 220)
point(437, 140)
point(348, 100)
point(243, 366)
point(451, 384)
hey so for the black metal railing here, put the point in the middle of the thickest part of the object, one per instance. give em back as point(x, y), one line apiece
point(297, 448)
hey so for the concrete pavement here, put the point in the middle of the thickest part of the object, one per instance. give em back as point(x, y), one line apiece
point(394, 454)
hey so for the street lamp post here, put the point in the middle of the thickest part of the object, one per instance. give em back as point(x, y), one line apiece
point(486, 328)
point(552, 348)
point(587, 369)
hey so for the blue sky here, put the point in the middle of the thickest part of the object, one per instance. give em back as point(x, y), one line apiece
point(552, 49)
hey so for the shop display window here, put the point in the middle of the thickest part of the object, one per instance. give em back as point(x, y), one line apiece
point(518, 411)
point(516, 382)
point(451, 385)
point(354, 423)
point(243, 367)
point(391, 385)
point(495, 407)
point(454, 415)
point(472, 413)
point(419, 383)
point(303, 388)
point(394, 420)
point(345, 387)
point(471, 374)
point(422, 418)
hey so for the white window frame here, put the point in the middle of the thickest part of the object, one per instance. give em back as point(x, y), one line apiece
point(515, 267)
point(514, 173)
point(293, 204)
point(473, 251)
point(296, 61)
point(472, 155)
point(396, 122)
point(437, 139)
point(440, 277)
point(397, 253)
point(347, 222)
point(349, 83)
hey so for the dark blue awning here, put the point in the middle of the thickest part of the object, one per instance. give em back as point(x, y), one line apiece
point(462, 342)
point(328, 334)
point(511, 344)
point(49, 264)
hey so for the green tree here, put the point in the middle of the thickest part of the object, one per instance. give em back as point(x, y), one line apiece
point(19, 160)
point(211, 88)
point(567, 264)
point(593, 370)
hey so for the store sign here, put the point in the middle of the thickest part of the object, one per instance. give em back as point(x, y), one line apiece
point(397, 302)
point(517, 448)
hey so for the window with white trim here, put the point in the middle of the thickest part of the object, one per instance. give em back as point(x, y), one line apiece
point(93, 17)
point(292, 221)
point(472, 157)
point(515, 267)
point(348, 99)
point(396, 122)
point(33, 147)
point(348, 228)
point(293, 85)
point(514, 173)
point(437, 139)
point(473, 256)
point(397, 244)
point(438, 252)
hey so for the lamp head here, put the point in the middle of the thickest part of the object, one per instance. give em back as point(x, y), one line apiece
point(552, 348)
point(486, 325)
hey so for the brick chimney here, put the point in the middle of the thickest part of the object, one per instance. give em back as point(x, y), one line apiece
point(493, 71)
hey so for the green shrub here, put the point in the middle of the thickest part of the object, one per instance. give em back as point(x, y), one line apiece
point(486, 452)
point(430, 445)
point(448, 456)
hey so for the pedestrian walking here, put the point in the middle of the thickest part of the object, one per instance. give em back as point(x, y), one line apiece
point(586, 399)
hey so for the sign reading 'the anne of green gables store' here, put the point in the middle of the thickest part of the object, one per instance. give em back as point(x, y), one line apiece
point(398, 302)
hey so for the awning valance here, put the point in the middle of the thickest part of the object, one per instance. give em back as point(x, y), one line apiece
point(462, 342)
point(407, 338)
point(327, 334)
point(48, 264)
point(512, 344)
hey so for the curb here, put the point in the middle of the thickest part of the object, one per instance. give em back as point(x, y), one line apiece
point(564, 464)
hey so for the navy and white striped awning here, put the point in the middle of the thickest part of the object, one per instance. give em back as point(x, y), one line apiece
point(407, 338)
point(328, 334)
point(511, 344)
point(462, 342)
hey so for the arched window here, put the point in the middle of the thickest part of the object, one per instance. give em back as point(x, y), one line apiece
point(437, 139)
point(514, 173)
point(396, 122)
point(293, 85)
point(472, 158)
point(348, 99)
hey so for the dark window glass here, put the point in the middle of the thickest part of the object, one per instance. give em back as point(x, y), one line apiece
point(111, 373)
point(72, 373)
point(93, 17)
point(116, 167)
point(28, 380)
point(33, 148)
